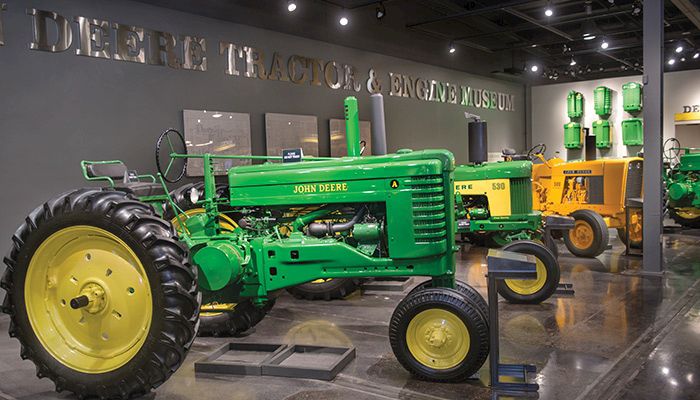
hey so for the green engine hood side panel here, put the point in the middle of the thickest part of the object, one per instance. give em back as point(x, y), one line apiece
point(497, 170)
point(690, 162)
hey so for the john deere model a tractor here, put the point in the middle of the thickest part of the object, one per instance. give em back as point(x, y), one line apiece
point(595, 193)
point(682, 180)
point(104, 294)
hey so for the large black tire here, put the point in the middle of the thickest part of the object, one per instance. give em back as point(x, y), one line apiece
point(588, 221)
point(449, 302)
point(468, 291)
point(244, 316)
point(693, 223)
point(328, 289)
point(532, 291)
point(171, 279)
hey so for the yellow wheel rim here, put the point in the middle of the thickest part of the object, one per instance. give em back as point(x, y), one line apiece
point(110, 330)
point(214, 309)
point(527, 287)
point(322, 280)
point(225, 222)
point(582, 235)
point(438, 339)
point(688, 212)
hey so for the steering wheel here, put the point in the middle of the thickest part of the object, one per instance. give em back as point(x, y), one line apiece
point(535, 150)
point(175, 144)
point(672, 149)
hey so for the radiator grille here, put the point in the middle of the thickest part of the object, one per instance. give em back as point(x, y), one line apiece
point(635, 171)
point(520, 196)
point(428, 202)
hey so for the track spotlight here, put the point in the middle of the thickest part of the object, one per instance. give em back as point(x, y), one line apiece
point(573, 62)
point(291, 5)
point(343, 21)
point(604, 44)
point(452, 48)
point(679, 48)
point(636, 8)
point(589, 37)
point(682, 59)
point(671, 61)
point(380, 11)
point(534, 68)
point(696, 55)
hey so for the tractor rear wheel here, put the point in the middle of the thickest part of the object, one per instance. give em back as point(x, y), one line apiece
point(688, 217)
point(532, 291)
point(325, 289)
point(589, 237)
point(438, 334)
point(101, 294)
point(231, 319)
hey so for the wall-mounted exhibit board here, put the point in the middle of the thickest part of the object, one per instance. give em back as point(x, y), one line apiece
point(339, 147)
point(216, 132)
point(290, 131)
point(549, 112)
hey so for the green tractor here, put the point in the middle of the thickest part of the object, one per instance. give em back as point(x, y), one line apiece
point(105, 295)
point(496, 210)
point(682, 179)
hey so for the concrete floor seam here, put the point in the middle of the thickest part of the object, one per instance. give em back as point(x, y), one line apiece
point(609, 384)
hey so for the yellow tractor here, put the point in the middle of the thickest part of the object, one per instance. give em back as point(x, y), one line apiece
point(595, 194)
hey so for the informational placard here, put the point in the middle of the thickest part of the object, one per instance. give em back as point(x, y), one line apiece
point(291, 131)
point(339, 146)
point(216, 132)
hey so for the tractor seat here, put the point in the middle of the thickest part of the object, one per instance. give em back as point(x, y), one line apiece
point(512, 154)
point(124, 179)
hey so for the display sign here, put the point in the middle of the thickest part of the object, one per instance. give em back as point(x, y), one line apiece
point(290, 131)
point(110, 40)
point(292, 155)
point(216, 132)
point(690, 113)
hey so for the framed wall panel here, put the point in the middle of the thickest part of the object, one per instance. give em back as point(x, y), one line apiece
point(339, 146)
point(291, 131)
point(216, 132)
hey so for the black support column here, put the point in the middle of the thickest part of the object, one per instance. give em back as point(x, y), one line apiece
point(653, 133)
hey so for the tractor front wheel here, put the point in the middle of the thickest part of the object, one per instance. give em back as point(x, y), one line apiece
point(688, 217)
point(532, 291)
point(101, 294)
point(589, 237)
point(439, 335)
point(468, 291)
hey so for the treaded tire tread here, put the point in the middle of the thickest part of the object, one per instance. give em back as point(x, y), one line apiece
point(470, 292)
point(233, 323)
point(601, 235)
point(173, 286)
point(456, 303)
point(551, 265)
point(336, 288)
point(688, 223)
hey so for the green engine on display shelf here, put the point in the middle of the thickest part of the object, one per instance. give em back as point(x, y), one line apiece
point(104, 294)
point(682, 178)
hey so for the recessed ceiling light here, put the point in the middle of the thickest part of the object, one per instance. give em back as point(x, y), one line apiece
point(291, 6)
point(343, 20)
point(671, 61)
point(589, 37)
point(679, 48)
point(604, 44)
point(452, 48)
point(696, 55)
point(534, 68)
point(548, 12)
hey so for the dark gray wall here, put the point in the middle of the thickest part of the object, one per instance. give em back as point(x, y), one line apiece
point(57, 109)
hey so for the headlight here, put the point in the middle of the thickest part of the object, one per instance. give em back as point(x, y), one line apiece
point(194, 195)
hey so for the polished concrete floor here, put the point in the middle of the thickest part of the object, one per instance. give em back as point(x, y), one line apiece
point(621, 336)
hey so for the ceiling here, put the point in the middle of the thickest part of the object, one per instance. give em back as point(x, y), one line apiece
point(498, 38)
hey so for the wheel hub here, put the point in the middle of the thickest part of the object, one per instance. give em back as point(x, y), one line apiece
point(438, 335)
point(92, 299)
point(437, 338)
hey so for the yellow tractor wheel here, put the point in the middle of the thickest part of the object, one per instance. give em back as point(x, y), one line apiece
point(439, 335)
point(532, 291)
point(468, 291)
point(89, 284)
point(688, 217)
point(589, 237)
point(325, 289)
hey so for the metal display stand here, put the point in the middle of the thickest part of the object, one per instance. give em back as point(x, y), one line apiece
point(559, 223)
point(507, 265)
point(638, 204)
point(293, 361)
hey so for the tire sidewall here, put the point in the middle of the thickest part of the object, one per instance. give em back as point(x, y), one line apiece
point(601, 236)
point(551, 265)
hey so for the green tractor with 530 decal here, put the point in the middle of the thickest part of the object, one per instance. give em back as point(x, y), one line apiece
point(104, 293)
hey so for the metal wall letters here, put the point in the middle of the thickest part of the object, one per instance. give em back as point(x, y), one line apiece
point(3, 7)
point(145, 46)
point(64, 37)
